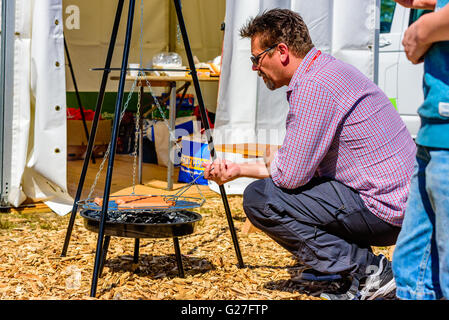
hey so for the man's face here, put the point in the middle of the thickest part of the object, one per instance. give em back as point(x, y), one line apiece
point(266, 64)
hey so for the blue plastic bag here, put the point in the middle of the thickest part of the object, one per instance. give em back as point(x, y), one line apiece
point(194, 153)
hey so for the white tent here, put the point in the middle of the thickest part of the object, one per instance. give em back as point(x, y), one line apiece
point(38, 157)
point(247, 111)
point(245, 108)
point(39, 133)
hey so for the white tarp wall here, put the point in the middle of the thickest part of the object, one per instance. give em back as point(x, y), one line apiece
point(39, 165)
point(39, 119)
point(88, 26)
point(247, 111)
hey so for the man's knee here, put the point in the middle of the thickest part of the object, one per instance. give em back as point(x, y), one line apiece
point(254, 196)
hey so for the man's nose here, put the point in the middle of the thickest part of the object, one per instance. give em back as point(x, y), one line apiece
point(254, 67)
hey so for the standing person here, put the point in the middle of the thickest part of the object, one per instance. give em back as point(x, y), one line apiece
point(338, 184)
point(421, 256)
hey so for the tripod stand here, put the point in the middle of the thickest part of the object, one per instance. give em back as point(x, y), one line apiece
point(103, 242)
point(78, 98)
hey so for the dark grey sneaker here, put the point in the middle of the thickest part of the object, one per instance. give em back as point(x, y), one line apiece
point(379, 284)
point(352, 293)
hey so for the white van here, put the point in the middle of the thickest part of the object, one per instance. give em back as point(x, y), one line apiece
point(398, 77)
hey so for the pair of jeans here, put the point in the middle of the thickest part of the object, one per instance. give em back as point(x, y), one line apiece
point(421, 256)
point(324, 223)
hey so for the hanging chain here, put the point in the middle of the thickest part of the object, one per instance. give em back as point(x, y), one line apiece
point(178, 30)
point(172, 135)
point(178, 34)
point(137, 137)
point(137, 134)
point(171, 132)
point(106, 154)
point(138, 115)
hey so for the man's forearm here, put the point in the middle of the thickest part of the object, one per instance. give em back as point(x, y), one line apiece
point(425, 4)
point(434, 26)
point(418, 4)
point(254, 170)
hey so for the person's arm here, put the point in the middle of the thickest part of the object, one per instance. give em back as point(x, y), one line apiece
point(430, 28)
point(222, 171)
point(312, 122)
point(418, 4)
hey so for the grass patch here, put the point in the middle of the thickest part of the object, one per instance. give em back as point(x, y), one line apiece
point(5, 224)
point(33, 220)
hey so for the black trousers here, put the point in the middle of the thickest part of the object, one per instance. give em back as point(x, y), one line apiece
point(324, 223)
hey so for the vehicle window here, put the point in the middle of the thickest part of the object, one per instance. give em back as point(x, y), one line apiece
point(386, 15)
point(415, 14)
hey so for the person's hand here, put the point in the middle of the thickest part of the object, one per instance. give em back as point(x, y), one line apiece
point(414, 47)
point(418, 4)
point(221, 171)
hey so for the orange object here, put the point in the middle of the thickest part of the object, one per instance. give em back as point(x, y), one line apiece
point(149, 201)
point(99, 201)
point(120, 199)
point(216, 71)
point(126, 199)
point(138, 201)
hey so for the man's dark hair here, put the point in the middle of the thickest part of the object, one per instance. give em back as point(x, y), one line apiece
point(280, 25)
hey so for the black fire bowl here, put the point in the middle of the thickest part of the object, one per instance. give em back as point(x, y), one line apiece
point(130, 224)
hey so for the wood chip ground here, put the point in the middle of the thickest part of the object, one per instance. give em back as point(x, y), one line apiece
point(31, 266)
point(31, 241)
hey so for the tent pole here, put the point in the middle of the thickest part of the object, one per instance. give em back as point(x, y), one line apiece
point(206, 126)
point(6, 99)
point(94, 124)
point(376, 43)
point(114, 136)
point(78, 98)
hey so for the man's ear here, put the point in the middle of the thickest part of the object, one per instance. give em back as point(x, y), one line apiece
point(283, 53)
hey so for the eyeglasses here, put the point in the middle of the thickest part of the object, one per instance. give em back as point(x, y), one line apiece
point(255, 59)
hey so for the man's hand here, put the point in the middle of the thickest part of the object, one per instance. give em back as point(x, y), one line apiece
point(414, 45)
point(418, 4)
point(430, 28)
point(221, 171)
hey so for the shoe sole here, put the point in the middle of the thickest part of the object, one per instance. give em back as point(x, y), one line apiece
point(385, 290)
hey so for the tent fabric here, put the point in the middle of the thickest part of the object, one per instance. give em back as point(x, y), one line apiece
point(39, 120)
point(247, 111)
point(88, 41)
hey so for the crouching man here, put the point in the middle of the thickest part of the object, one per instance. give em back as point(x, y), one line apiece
point(338, 184)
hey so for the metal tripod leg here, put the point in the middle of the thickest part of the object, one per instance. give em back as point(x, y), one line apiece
point(114, 136)
point(205, 122)
point(136, 250)
point(178, 257)
point(78, 98)
point(94, 125)
point(107, 239)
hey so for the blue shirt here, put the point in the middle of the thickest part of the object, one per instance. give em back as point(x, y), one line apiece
point(434, 112)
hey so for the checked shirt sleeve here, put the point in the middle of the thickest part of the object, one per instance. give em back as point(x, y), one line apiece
point(311, 125)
